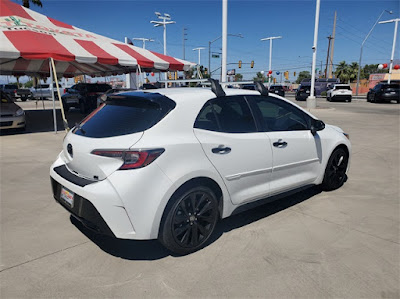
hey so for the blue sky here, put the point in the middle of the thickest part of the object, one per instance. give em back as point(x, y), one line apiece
point(293, 20)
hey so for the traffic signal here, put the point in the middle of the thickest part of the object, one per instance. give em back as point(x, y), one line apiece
point(294, 74)
point(287, 75)
point(240, 64)
point(274, 80)
point(252, 64)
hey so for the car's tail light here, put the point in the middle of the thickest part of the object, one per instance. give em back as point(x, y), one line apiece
point(131, 159)
point(65, 90)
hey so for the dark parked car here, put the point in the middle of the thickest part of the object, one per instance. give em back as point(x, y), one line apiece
point(10, 89)
point(277, 89)
point(303, 92)
point(384, 92)
point(83, 96)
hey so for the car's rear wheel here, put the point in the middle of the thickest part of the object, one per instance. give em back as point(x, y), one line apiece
point(335, 172)
point(189, 219)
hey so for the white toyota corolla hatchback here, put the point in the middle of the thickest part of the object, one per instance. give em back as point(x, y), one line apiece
point(169, 163)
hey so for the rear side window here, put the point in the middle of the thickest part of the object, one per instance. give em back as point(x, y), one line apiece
point(277, 115)
point(226, 114)
point(124, 115)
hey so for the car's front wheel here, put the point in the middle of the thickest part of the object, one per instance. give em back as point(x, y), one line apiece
point(189, 220)
point(335, 172)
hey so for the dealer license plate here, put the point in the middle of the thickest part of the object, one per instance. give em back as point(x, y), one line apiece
point(67, 196)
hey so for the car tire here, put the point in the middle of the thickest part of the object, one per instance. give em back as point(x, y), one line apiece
point(189, 219)
point(335, 172)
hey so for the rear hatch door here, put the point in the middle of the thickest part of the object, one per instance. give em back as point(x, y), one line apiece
point(118, 125)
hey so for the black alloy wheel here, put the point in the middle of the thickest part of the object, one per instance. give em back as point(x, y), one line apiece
point(190, 221)
point(335, 172)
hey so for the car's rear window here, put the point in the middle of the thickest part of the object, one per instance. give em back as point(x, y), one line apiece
point(123, 114)
point(391, 86)
point(343, 87)
point(277, 87)
point(98, 87)
point(9, 86)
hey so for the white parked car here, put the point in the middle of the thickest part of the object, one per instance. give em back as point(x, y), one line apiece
point(167, 164)
point(12, 116)
point(339, 92)
point(43, 91)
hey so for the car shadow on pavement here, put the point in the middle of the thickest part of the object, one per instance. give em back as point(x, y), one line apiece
point(153, 250)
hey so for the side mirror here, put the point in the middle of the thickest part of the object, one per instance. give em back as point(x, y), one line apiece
point(318, 125)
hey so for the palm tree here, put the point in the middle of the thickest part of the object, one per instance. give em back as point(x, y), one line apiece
point(353, 70)
point(26, 3)
point(342, 72)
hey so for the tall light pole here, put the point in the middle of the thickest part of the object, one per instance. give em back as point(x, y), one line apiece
point(270, 55)
point(198, 49)
point(362, 45)
point(311, 100)
point(183, 41)
point(396, 22)
point(144, 40)
point(224, 38)
point(209, 48)
point(166, 20)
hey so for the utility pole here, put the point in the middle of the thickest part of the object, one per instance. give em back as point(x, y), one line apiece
point(224, 39)
point(332, 48)
point(311, 100)
point(183, 41)
point(270, 55)
point(396, 22)
point(327, 55)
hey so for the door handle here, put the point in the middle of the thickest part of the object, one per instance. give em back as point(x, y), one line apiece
point(280, 143)
point(221, 150)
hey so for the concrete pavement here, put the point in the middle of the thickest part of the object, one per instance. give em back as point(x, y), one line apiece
point(343, 243)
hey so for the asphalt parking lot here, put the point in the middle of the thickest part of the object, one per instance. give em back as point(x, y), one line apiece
point(343, 243)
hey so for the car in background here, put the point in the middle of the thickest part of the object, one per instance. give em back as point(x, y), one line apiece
point(248, 86)
point(24, 94)
point(339, 92)
point(43, 91)
point(277, 89)
point(384, 92)
point(83, 96)
point(149, 86)
point(12, 116)
point(303, 92)
point(155, 165)
point(10, 89)
point(103, 97)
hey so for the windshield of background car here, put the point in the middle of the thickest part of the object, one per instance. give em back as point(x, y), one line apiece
point(5, 99)
point(98, 87)
point(343, 87)
point(122, 115)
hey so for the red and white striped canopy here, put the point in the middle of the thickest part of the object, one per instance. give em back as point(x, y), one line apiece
point(29, 39)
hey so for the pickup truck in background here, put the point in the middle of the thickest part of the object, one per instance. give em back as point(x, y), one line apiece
point(24, 94)
point(43, 91)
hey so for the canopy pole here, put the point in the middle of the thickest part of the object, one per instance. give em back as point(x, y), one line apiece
point(59, 97)
point(52, 96)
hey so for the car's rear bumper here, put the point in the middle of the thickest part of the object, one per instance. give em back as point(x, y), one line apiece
point(12, 122)
point(126, 208)
point(388, 97)
point(344, 97)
